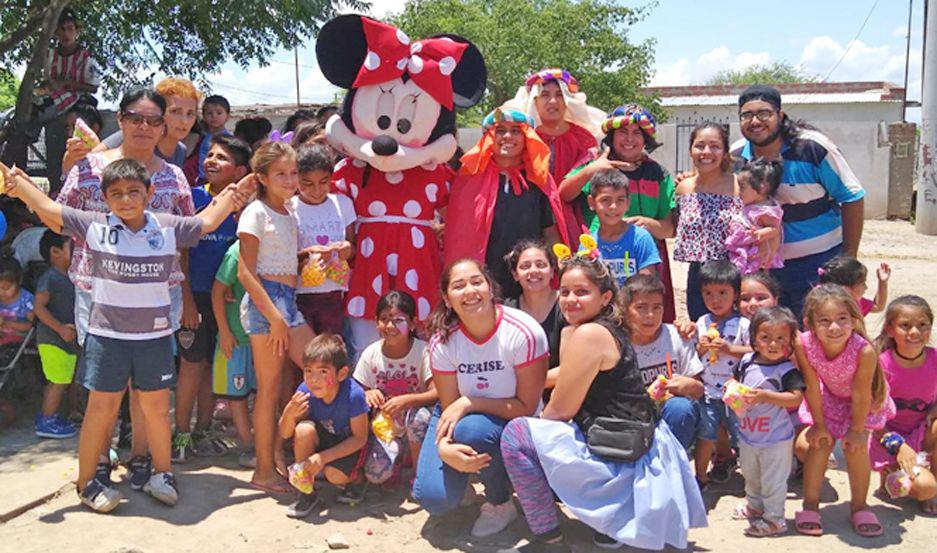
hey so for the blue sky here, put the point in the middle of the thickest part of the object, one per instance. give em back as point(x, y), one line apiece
point(694, 40)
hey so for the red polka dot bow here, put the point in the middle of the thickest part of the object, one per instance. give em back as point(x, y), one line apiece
point(390, 54)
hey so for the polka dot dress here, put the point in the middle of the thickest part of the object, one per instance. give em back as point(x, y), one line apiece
point(397, 248)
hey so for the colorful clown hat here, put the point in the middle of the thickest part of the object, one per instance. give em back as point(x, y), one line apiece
point(509, 115)
point(548, 75)
point(628, 114)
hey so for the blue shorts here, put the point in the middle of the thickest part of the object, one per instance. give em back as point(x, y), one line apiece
point(712, 413)
point(233, 377)
point(282, 296)
point(108, 364)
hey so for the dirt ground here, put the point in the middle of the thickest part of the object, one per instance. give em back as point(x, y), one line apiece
point(218, 512)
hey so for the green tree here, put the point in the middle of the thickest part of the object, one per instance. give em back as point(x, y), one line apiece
point(133, 40)
point(589, 38)
point(9, 84)
point(771, 73)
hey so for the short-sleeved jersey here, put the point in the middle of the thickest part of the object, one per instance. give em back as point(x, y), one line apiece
point(652, 357)
point(733, 330)
point(336, 417)
point(636, 245)
point(487, 368)
point(394, 377)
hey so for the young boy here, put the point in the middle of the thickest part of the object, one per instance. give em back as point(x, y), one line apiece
point(70, 71)
point(131, 253)
point(233, 366)
point(626, 249)
point(721, 284)
point(327, 418)
point(227, 162)
point(58, 350)
point(326, 235)
point(16, 304)
point(215, 112)
point(661, 350)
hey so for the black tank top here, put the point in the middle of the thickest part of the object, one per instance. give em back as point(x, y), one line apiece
point(618, 392)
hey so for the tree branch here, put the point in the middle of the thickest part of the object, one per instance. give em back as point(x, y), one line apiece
point(33, 21)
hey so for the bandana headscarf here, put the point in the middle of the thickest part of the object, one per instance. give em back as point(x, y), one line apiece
point(536, 163)
point(577, 111)
point(622, 116)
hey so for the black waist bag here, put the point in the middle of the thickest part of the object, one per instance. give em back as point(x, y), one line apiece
point(620, 440)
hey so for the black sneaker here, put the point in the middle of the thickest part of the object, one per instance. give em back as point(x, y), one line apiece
point(124, 436)
point(605, 542)
point(100, 498)
point(303, 506)
point(140, 468)
point(353, 493)
point(103, 473)
point(723, 468)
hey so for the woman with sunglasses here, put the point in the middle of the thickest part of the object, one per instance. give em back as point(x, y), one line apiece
point(141, 120)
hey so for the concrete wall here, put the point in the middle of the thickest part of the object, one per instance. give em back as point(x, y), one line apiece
point(866, 111)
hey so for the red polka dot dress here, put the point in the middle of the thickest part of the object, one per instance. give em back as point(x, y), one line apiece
point(396, 246)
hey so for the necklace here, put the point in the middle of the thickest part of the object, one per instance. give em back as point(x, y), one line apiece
point(915, 358)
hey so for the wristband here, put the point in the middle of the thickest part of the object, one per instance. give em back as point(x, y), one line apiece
point(892, 442)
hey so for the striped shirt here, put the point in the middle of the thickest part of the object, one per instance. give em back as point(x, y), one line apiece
point(130, 271)
point(78, 67)
point(816, 182)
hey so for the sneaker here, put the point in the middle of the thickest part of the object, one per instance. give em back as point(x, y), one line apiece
point(102, 473)
point(100, 497)
point(162, 486)
point(494, 518)
point(125, 436)
point(211, 445)
point(605, 542)
point(53, 427)
point(141, 469)
point(247, 458)
point(303, 506)
point(182, 451)
point(723, 468)
point(353, 493)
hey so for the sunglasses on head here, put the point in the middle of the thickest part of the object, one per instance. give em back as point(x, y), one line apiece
point(138, 119)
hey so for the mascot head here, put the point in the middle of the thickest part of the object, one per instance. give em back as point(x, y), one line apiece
point(399, 110)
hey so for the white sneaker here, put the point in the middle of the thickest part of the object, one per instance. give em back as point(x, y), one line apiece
point(494, 518)
point(162, 486)
point(99, 497)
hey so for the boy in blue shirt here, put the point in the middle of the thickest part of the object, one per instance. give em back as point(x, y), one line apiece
point(327, 418)
point(626, 249)
point(228, 161)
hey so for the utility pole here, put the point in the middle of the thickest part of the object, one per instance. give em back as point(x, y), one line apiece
point(926, 218)
point(907, 59)
point(296, 66)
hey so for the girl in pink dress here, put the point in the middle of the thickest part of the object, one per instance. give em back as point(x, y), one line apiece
point(846, 396)
point(755, 236)
point(909, 441)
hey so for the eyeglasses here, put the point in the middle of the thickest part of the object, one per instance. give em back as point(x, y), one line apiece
point(137, 119)
point(762, 115)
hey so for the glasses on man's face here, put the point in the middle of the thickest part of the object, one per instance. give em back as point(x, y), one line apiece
point(761, 115)
point(137, 119)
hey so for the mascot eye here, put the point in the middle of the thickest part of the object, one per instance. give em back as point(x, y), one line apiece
point(385, 109)
point(406, 113)
point(403, 126)
point(383, 122)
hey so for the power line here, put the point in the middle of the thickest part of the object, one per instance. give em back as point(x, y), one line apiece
point(254, 92)
point(851, 42)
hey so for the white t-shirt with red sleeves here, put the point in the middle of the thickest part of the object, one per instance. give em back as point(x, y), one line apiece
point(487, 368)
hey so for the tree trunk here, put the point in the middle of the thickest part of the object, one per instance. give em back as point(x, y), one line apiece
point(15, 150)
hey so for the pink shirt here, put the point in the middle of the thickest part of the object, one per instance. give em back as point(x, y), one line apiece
point(914, 390)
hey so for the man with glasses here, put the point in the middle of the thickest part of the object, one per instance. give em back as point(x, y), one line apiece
point(821, 196)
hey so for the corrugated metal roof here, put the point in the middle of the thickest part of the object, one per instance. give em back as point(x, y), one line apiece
point(873, 96)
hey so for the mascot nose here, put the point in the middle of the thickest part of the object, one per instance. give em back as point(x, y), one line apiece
point(384, 145)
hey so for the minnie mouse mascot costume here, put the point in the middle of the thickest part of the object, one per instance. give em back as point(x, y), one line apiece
point(397, 128)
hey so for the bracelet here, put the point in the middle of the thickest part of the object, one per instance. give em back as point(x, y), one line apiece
point(892, 442)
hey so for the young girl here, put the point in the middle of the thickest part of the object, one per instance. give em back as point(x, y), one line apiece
point(847, 395)
point(849, 273)
point(910, 367)
point(755, 237)
point(759, 289)
point(766, 434)
point(398, 382)
point(267, 268)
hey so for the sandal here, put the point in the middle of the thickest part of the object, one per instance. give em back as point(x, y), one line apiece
point(808, 523)
point(862, 520)
point(743, 511)
point(281, 487)
point(761, 528)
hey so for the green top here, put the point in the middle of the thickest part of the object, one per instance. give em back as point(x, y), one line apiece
point(228, 275)
point(650, 187)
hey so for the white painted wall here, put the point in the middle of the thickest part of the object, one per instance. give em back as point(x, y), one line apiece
point(868, 111)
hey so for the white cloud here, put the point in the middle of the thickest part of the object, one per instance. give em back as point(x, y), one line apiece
point(862, 62)
point(684, 72)
point(383, 8)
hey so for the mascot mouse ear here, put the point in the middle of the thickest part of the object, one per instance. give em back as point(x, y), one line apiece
point(470, 76)
point(340, 50)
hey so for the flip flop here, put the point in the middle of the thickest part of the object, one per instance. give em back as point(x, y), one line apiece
point(761, 528)
point(866, 517)
point(284, 489)
point(803, 518)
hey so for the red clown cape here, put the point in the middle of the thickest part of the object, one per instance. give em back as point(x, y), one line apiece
point(475, 191)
